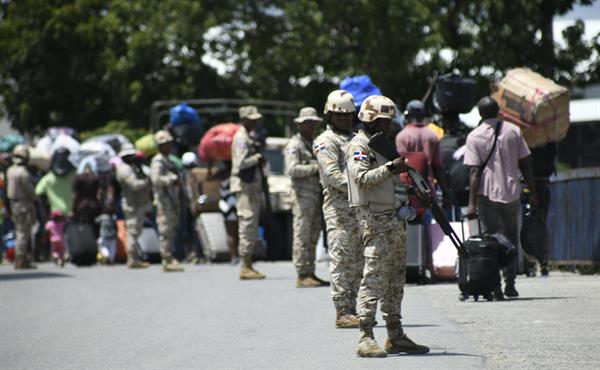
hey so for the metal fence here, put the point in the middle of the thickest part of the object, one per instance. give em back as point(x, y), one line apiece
point(574, 217)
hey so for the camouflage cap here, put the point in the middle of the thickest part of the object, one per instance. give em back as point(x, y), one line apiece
point(376, 106)
point(340, 101)
point(249, 112)
point(307, 114)
point(162, 137)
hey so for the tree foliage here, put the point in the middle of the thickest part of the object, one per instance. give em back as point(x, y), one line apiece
point(83, 63)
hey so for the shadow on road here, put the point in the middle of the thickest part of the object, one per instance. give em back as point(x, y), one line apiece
point(31, 275)
point(535, 299)
point(410, 326)
point(438, 354)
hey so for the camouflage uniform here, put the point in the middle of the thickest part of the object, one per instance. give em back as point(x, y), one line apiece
point(22, 204)
point(245, 157)
point(372, 193)
point(375, 191)
point(302, 167)
point(343, 236)
point(136, 197)
point(167, 199)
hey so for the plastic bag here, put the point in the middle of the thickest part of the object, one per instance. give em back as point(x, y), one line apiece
point(183, 114)
point(361, 87)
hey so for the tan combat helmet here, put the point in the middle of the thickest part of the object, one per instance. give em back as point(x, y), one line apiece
point(376, 106)
point(20, 153)
point(162, 137)
point(339, 101)
point(249, 112)
point(308, 114)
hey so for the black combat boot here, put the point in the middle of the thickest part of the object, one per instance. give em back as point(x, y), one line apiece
point(398, 342)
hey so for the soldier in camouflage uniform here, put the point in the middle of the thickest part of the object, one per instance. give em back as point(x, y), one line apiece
point(136, 192)
point(373, 188)
point(245, 183)
point(168, 194)
point(301, 165)
point(342, 228)
point(21, 194)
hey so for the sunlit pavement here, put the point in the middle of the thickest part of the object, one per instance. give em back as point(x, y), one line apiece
point(205, 318)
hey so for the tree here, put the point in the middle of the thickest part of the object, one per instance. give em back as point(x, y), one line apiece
point(81, 63)
point(278, 44)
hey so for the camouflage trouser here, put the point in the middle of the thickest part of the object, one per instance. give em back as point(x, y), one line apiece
point(384, 238)
point(167, 219)
point(23, 215)
point(134, 221)
point(345, 251)
point(248, 212)
point(307, 228)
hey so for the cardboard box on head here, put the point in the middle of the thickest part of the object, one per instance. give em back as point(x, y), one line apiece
point(536, 104)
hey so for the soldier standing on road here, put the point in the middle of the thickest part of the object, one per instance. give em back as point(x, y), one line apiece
point(372, 183)
point(246, 185)
point(136, 192)
point(301, 165)
point(21, 193)
point(342, 228)
point(168, 193)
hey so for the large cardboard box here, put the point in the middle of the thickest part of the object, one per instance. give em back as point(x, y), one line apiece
point(536, 104)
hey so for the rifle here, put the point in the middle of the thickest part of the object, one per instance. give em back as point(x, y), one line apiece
point(381, 145)
point(264, 183)
point(323, 224)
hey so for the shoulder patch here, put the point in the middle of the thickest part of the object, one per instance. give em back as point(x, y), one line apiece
point(319, 147)
point(361, 156)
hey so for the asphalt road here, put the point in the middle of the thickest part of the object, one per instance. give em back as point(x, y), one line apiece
point(205, 318)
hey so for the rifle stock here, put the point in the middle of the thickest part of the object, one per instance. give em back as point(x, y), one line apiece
point(381, 145)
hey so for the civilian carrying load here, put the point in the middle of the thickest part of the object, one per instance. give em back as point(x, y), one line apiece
point(536, 104)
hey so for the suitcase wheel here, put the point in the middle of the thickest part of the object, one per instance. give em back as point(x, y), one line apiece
point(489, 297)
point(463, 297)
point(476, 298)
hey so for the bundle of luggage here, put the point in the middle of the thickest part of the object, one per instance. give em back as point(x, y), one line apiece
point(216, 142)
point(454, 94)
point(536, 104)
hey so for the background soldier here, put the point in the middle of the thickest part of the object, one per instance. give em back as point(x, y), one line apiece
point(167, 198)
point(246, 184)
point(136, 197)
point(342, 227)
point(301, 165)
point(21, 193)
point(371, 188)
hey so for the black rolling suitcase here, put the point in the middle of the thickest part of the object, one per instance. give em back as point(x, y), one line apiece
point(478, 270)
point(81, 243)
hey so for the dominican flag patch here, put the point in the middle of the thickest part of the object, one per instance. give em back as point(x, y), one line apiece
point(361, 156)
point(319, 147)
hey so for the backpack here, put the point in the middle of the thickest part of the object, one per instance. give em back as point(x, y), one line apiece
point(458, 181)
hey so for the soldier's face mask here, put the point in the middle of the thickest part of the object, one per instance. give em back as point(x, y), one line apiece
point(342, 121)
